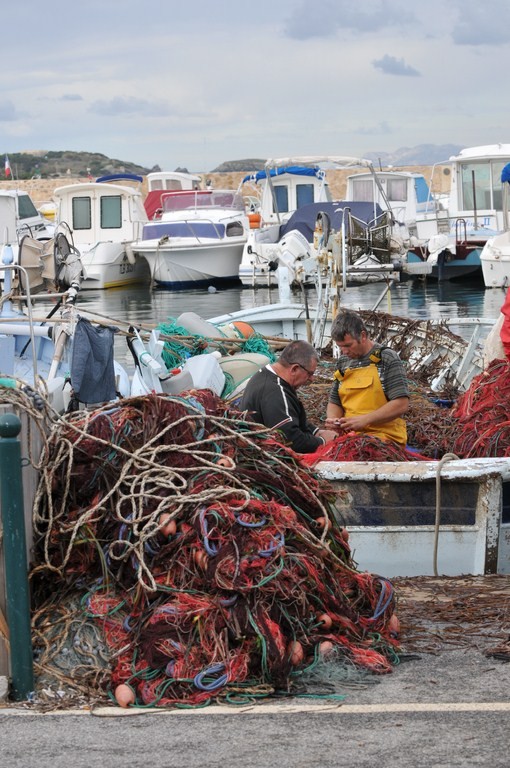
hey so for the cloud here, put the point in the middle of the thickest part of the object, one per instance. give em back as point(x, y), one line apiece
point(9, 113)
point(71, 97)
point(381, 129)
point(130, 106)
point(482, 24)
point(326, 18)
point(392, 66)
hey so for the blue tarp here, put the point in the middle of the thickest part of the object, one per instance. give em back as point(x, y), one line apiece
point(296, 170)
point(422, 190)
point(197, 229)
point(304, 218)
point(505, 173)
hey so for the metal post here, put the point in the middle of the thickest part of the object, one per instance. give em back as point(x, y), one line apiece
point(14, 549)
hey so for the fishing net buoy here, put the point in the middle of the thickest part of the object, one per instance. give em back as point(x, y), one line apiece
point(326, 647)
point(124, 695)
point(296, 653)
point(326, 620)
point(168, 525)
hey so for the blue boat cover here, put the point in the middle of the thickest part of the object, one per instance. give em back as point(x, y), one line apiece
point(120, 177)
point(505, 173)
point(296, 170)
point(196, 229)
point(422, 190)
point(304, 218)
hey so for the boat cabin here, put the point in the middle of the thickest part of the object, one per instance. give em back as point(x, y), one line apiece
point(101, 212)
point(408, 195)
point(166, 181)
point(476, 188)
point(283, 190)
point(28, 220)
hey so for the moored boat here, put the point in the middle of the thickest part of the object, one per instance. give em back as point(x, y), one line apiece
point(196, 240)
point(102, 219)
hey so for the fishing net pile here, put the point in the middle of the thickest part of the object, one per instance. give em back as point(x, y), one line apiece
point(184, 555)
point(481, 414)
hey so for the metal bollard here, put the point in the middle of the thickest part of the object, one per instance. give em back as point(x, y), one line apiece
point(14, 549)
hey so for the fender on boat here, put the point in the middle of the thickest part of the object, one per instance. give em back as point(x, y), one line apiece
point(130, 253)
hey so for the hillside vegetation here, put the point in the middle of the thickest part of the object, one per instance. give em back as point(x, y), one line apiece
point(55, 165)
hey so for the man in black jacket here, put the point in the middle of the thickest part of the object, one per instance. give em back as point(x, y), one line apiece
point(271, 398)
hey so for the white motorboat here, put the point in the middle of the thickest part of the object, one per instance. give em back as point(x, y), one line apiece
point(293, 194)
point(102, 219)
point(197, 239)
point(451, 235)
point(495, 256)
point(20, 217)
point(446, 234)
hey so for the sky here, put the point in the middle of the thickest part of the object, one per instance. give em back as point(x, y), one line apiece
point(194, 83)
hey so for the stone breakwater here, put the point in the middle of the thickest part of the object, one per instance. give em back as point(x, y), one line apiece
point(41, 190)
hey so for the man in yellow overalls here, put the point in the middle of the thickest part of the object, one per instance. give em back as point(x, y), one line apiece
point(370, 392)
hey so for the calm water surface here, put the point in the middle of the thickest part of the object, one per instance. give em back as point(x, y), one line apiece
point(414, 299)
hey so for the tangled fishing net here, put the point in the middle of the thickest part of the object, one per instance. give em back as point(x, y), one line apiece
point(186, 556)
point(482, 414)
point(180, 345)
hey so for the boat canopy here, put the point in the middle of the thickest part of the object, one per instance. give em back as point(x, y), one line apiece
point(422, 190)
point(323, 161)
point(119, 177)
point(305, 217)
point(296, 170)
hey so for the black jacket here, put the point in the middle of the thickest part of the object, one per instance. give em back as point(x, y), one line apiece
point(271, 401)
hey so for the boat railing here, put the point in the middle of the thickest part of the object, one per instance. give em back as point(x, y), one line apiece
point(6, 310)
point(460, 231)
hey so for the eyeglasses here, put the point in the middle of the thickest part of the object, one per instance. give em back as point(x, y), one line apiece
point(310, 373)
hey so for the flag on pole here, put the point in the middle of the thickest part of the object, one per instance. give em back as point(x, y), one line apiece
point(7, 167)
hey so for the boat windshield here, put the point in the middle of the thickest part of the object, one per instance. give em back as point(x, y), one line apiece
point(202, 198)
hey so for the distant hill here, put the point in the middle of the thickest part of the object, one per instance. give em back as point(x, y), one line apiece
point(235, 166)
point(424, 154)
point(49, 165)
point(36, 164)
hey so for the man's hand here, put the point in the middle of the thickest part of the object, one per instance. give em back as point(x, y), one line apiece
point(327, 434)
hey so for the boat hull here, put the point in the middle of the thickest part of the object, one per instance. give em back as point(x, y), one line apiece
point(108, 265)
point(495, 259)
point(389, 509)
point(465, 262)
point(192, 265)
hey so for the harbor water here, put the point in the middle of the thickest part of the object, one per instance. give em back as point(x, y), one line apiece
point(420, 300)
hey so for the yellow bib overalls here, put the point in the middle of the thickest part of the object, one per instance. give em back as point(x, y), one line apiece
point(360, 391)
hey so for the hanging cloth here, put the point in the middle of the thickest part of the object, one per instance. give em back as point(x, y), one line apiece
point(92, 368)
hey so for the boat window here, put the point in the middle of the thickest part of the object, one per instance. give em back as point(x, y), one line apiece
point(81, 213)
point(497, 187)
point(234, 229)
point(282, 199)
point(363, 190)
point(396, 190)
point(26, 208)
point(156, 184)
point(304, 194)
point(173, 184)
point(111, 212)
point(476, 186)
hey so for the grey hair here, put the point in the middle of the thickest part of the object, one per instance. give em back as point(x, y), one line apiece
point(298, 353)
point(347, 323)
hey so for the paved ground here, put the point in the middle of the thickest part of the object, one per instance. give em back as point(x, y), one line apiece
point(445, 705)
